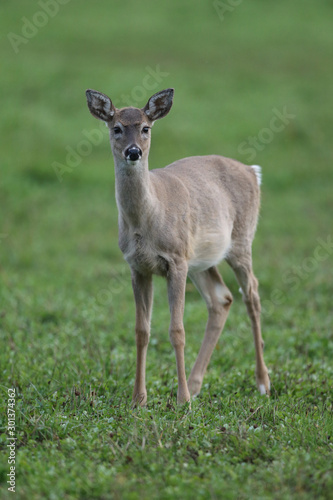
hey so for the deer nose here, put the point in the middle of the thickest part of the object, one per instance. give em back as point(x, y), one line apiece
point(133, 153)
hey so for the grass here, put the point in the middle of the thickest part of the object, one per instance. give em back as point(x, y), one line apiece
point(66, 307)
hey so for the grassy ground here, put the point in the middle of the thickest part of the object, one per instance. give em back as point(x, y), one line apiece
point(66, 310)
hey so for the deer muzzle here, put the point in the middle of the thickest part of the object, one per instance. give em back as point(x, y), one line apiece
point(133, 153)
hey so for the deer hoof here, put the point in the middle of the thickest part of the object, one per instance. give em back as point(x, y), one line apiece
point(183, 398)
point(139, 399)
point(194, 386)
point(264, 385)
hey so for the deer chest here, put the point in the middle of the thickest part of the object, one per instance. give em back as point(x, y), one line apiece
point(142, 254)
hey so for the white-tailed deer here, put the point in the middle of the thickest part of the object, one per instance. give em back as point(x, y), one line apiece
point(177, 221)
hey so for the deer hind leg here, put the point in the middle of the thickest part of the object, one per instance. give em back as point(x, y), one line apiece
point(143, 295)
point(241, 263)
point(218, 300)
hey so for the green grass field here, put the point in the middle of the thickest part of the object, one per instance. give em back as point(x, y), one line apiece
point(253, 81)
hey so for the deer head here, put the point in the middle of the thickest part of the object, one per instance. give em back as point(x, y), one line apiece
point(130, 127)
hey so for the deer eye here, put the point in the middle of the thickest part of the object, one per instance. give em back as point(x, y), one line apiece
point(145, 130)
point(117, 130)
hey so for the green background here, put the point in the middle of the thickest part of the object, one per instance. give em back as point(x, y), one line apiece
point(66, 307)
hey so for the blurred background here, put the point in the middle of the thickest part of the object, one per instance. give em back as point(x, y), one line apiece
point(253, 81)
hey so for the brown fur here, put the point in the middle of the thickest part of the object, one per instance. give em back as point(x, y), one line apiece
point(177, 221)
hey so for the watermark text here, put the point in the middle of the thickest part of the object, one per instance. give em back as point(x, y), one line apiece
point(11, 428)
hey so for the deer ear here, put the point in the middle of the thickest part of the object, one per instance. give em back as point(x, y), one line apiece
point(100, 105)
point(159, 104)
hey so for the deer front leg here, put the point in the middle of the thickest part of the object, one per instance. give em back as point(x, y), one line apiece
point(176, 294)
point(143, 295)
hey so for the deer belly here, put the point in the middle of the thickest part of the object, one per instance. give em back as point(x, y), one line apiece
point(209, 251)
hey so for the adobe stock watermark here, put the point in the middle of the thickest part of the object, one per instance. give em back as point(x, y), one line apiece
point(105, 296)
point(149, 83)
point(94, 137)
point(11, 429)
point(30, 27)
point(222, 8)
point(294, 276)
point(116, 285)
point(279, 121)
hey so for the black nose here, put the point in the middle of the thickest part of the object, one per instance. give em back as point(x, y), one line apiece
point(133, 153)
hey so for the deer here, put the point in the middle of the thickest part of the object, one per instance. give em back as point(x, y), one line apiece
point(181, 221)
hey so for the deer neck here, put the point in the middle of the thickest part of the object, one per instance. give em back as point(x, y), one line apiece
point(134, 194)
